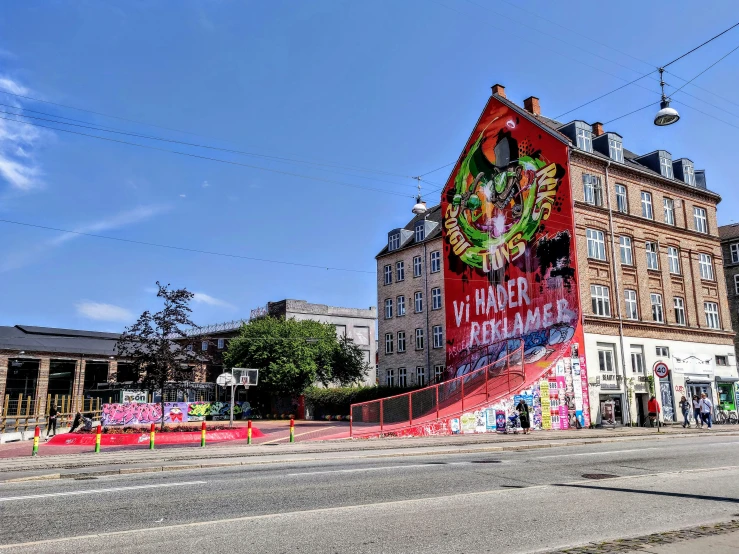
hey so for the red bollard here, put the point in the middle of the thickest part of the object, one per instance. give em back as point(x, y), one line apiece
point(202, 435)
point(152, 436)
point(248, 432)
point(36, 434)
point(292, 430)
point(98, 436)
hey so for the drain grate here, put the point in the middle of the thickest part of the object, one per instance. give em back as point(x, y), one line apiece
point(485, 462)
point(598, 476)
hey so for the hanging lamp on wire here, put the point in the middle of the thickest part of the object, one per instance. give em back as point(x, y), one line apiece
point(420, 207)
point(666, 115)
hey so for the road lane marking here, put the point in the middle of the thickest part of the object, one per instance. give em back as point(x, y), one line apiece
point(359, 469)
point(335, 509)
point(94, 491)
point(597, 453)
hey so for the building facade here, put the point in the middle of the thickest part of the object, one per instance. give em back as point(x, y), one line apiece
point(410, 299)
point(650, 275)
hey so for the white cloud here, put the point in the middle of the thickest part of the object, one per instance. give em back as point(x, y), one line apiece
point(202, 298)
point(183, 195)
point(18, 166)
point(104, 312)
point(206, 184)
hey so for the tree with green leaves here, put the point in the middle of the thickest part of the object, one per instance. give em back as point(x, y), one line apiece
point(292, 355)
point(158, 346)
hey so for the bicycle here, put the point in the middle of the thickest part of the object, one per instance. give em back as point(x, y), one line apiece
point(726, 417)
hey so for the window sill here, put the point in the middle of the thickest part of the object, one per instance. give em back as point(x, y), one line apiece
point(708, 281)
point(598, 261)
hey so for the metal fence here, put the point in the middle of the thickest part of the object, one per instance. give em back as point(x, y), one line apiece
point(447, 399)
point(24, 412)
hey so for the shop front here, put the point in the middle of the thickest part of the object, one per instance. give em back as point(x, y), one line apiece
point(611, 410)
point(728, 393)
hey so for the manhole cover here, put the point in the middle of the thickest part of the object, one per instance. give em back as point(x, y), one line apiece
point(485, 462)
point(598, 476)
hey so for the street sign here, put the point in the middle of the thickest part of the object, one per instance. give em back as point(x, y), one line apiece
point(661, 370)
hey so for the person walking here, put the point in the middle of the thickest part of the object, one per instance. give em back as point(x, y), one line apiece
point(706, 408)
point(523, 416)
point(697, 411)
point(653, 409)
point(685, 406)
point(52, 421)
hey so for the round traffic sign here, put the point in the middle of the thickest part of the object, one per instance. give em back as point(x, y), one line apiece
point(661, 370)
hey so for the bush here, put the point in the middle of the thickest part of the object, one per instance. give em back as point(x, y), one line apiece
point(337, 401)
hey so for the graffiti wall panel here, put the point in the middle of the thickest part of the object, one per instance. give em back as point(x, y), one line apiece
point(510, 275)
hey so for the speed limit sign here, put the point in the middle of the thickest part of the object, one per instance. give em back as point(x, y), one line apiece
point(661, 370)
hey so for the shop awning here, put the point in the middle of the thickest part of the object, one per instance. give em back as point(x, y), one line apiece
point(727, 379)
point(698, 379)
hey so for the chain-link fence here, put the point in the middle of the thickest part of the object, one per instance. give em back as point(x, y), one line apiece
point(447, 399)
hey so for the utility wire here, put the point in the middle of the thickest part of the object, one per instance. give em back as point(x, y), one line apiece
point(191, 155)
point(706, 69)
point(182, 248)
point(701, 45)
point(604, 95)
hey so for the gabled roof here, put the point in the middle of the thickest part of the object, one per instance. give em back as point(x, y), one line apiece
point(432, 214)
point(729, 232)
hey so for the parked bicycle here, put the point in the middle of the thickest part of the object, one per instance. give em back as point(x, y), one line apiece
point(724, 416)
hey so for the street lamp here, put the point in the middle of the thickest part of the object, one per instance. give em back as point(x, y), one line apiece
point(666, 115)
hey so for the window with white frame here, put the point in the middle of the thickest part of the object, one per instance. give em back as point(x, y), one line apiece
point(393, 241)
point(646, 205)
point(221, 344)
point(689, 174)
point(734, 248)
point(388, 273)
point(601, 300)
point(632, 307)
point(401, 341)
point(658, 314)
point(390, 378)
point(421, 376)
point(652, 255)
point(435, 261)
point(616, 150)
point(606, 357)
point(637, 358)
point(204, 345)
point(420, 231)
point(388, 343)
point(669, 208)
point(679, 305)
point(592, 190)
point(662, 351)
point(700, 220)
point(596, 244)
point(626, 253)
point(388, 308)
point(399, 271)
point(436, 298)
point(711, 309)
point(665, 167)
point(705, 265)
point(673, 259)
point(401, 306)
point(402, 377)
point(736, 284)
point(439, 373)
point(416, 266)
point(418, 301)
point(438, 336)
point(419, 339)
point(585, 140)
point(622, 200)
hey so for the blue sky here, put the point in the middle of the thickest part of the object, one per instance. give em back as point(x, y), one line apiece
point(389, 85)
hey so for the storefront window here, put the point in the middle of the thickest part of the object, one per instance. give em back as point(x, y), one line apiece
point(726, 396)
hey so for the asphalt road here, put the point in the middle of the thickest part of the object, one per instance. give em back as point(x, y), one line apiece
point(521, 501)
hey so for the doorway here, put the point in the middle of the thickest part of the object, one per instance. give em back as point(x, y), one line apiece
point(700, 388)
point(641, 408)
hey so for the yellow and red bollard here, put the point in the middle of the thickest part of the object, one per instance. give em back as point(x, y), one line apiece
point(248, 432)
point(36, 435)
point(152, 436)
point(202, 435)
point(292, 429)
point(98, 436)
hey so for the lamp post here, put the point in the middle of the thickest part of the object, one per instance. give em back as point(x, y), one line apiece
point(666, 115)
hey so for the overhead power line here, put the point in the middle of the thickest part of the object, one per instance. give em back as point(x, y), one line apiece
point(182, 248)
point(198, 156)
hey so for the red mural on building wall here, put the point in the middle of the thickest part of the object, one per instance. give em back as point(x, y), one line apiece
point(509, 255)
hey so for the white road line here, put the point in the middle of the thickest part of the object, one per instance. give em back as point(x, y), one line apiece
point(596, 453)
point(360, 469)
point(94, 491)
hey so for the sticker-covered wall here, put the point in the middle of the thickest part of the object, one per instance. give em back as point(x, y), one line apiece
point(510, 275)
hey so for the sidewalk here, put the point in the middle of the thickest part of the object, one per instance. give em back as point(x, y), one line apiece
point(136, 460)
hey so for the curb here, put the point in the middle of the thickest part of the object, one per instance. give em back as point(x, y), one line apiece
point(189, 467)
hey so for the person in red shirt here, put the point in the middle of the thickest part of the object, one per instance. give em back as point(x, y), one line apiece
point(653, 409)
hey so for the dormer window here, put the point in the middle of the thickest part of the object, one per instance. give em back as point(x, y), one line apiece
point(689, 174)
point(616, 150)
point(420, 231)
point(665, 166)
point(393, 241)
point(584, 139)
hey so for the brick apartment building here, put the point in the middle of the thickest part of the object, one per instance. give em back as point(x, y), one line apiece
point(652, 284)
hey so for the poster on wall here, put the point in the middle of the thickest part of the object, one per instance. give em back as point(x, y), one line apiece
point(510, 275)
point(128, 396)
point(546, 406)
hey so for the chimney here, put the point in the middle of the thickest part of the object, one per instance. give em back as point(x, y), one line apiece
point(499, 90)
point(597, 129)
point(531, 104)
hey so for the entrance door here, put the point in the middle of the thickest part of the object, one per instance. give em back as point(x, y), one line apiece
point(641, 406)
point(699, 388)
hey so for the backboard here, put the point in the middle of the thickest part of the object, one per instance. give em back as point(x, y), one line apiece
point(226, 380)
point(246, 376)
